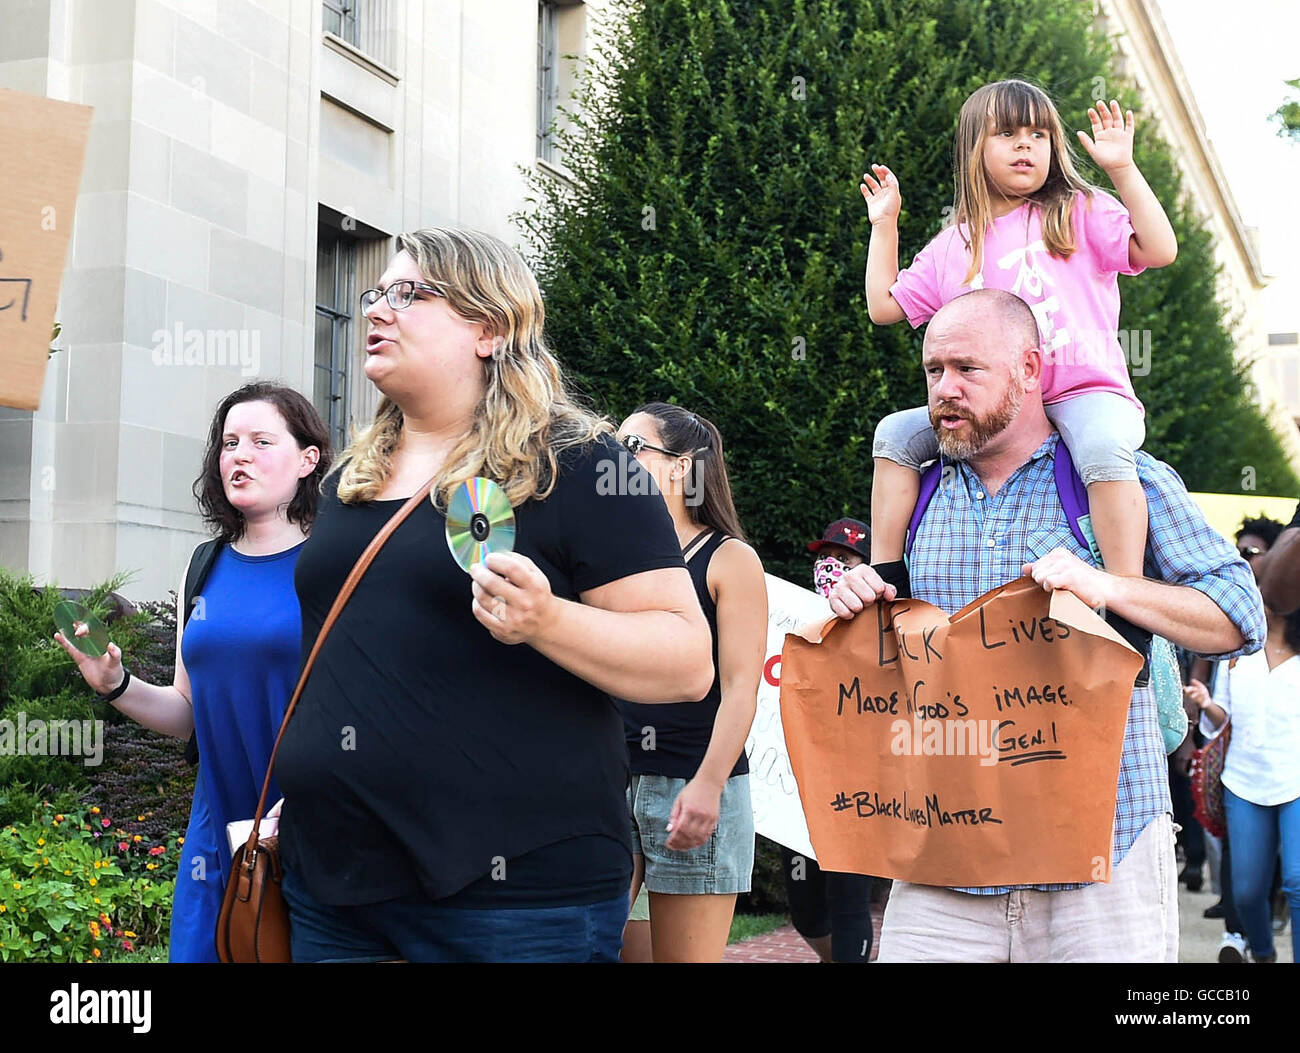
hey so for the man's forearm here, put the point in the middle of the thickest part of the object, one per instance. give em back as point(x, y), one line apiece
point(1179, 613)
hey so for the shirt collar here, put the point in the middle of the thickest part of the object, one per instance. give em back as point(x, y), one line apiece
point(1045, 449)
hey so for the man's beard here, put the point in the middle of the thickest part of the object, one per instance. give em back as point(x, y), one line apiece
point(980, 429)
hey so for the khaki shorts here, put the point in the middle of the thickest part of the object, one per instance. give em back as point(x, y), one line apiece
point(1134, 918)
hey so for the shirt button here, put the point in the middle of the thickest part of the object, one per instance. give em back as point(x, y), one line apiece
point(979, 495)
point(991, 543)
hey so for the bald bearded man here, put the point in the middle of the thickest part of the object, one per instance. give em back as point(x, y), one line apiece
point(1001, 518)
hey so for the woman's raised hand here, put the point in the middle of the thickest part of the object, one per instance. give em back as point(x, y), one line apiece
point(104, 674)
point(512, 597)
point(1111, 145)
point(884, 200)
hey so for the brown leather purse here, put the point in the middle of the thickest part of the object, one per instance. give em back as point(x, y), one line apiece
point(253, 925)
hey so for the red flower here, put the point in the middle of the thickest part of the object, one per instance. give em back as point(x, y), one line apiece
point(105, 823)
point(157, 850)
point(127, 945)
point(122, 846)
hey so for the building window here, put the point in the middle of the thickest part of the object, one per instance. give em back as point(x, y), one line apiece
point(365, 24)
point(335, 303)
point(341, 20)
point(548, 78)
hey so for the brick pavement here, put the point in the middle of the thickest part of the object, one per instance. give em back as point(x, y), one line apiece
point(786, 945)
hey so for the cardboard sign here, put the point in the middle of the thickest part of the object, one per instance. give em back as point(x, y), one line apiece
point(42, 146)
point(973, 751)
point(773, 790)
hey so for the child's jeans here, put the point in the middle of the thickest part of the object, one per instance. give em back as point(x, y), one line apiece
point(1102, 431)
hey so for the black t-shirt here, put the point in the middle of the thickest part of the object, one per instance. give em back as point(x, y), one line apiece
point(1295, 519)
point(427, 758)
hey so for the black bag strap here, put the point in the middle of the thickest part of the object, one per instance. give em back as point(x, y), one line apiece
point(200, 566)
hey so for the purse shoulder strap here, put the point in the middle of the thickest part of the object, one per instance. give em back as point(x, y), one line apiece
point(362, 565)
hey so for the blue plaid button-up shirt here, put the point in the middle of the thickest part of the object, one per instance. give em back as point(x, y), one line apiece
point(971, 541)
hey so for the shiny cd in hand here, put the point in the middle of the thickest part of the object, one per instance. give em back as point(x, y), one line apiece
point(479, 521)
point(68, 616)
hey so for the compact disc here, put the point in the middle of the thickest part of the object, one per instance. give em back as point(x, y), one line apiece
point(68, 615)
point(479, 521)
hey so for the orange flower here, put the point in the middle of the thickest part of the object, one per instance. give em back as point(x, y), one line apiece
point(95, 951)
point(94, 811)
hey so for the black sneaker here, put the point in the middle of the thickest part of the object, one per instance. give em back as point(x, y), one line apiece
point(1193, 879)
point(1139, 639)
point(1215, 911)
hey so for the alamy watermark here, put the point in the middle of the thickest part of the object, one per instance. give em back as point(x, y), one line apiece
point(53, 738)
point(1088, 347)
point(209, 347)
point(625, 478)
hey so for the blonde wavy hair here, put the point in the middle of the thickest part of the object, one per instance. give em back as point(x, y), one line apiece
point(1013, 104)
point(527, 415)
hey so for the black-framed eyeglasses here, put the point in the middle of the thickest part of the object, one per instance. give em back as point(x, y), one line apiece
point(1249, 551)
point(400, 295)
point(635, 444)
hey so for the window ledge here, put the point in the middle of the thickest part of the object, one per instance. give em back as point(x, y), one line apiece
point(556, 170)
point(350, 51)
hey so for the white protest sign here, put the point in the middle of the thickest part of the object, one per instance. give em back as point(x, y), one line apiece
point(778, 813)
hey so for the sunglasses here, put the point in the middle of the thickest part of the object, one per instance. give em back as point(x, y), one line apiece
point(1249, 551)
point(635, 444)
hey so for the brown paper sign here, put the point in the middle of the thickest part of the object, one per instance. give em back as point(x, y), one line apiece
point(42, 146)
point(978, 750)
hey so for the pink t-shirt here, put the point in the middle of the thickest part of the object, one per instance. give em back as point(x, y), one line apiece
point(1075, 300)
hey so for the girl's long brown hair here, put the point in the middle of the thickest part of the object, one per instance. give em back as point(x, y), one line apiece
point(687, 433)
point(1012, 104)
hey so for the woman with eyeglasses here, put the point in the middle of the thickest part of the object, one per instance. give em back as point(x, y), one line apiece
point(693, 824)
point(237, 656)
point(454, 772)
point(1261, 778)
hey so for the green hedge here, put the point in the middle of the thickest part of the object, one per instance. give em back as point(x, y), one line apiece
point(710, 247)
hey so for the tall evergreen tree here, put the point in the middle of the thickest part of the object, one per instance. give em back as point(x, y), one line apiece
point(710, 247)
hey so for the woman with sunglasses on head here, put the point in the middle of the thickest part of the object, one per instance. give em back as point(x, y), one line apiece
point(455, 769)
point(238, 655)
point(693, 825)
point(1261, 779)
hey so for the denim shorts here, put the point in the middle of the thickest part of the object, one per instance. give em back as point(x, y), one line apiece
point(720, 866)
point(416, 929)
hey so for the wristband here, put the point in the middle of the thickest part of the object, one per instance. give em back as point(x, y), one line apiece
point(117, 691)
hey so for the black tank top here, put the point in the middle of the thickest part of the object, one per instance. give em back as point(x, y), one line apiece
point(671, 738)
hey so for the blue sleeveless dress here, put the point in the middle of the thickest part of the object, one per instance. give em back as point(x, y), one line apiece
point(243, 650)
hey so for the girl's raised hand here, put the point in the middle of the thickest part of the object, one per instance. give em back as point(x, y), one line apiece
point(1111, 145)
point(884, 201)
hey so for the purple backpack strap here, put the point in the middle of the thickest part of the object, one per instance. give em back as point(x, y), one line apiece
point(929, 484)
point(1071, 492)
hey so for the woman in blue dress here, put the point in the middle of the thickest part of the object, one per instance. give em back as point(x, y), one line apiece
point(237, 659)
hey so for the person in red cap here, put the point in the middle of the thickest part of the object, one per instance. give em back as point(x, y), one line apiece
point(831, 911)
point(845, 544)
